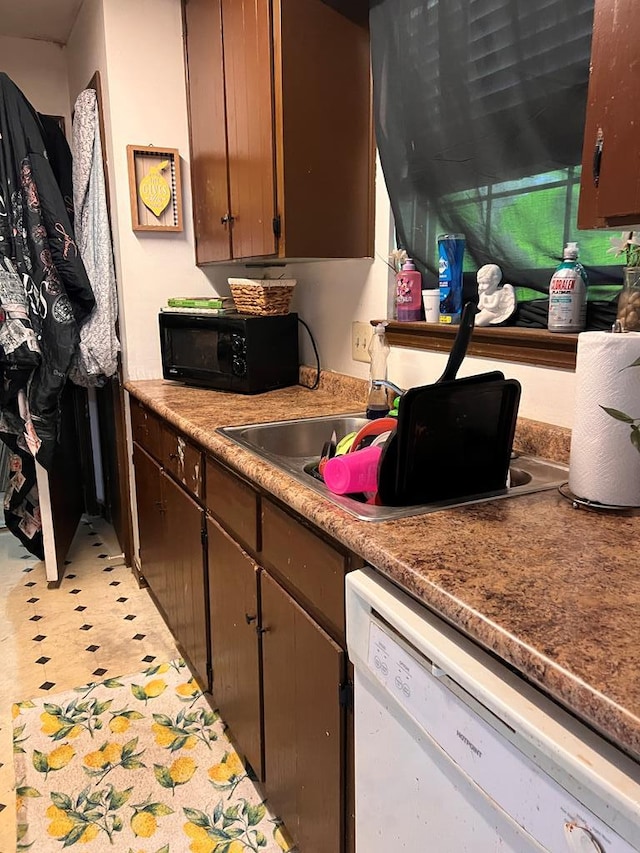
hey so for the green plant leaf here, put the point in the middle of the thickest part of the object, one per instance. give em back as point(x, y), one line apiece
point(255, 814)
point(130, 747)
point(112, 683)
point(138, 692)
point(618, 415)
point(26, 791)
point(178, 743)
point(635, 438)
point(130, 715)
point(162, 720)
point(232, 812)
point(218, 834)
point(635, 363)
point(261, 839)
point(63, 732)
point(158, 809)
point(209, 718)
point(62, 801)
point(74, 835)
point(118, 798)
point(132, 763)
point(197, 817)
point(40, 761)
point(162, 775)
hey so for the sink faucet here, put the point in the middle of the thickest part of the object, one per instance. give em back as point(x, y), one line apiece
point(384, 383)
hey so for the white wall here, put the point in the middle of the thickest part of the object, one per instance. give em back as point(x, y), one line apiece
point(39, 70)
point(86, 53)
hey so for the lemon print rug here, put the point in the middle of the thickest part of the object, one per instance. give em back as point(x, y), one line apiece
point(135, 765)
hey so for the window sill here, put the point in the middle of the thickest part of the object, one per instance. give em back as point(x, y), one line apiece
point(506, 343)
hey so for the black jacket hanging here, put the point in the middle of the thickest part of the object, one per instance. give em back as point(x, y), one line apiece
point(44, 290)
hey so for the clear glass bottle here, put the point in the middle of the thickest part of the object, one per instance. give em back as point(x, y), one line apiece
point(629, 300)
point(377, 401)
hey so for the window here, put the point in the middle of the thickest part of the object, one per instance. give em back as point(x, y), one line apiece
point(479, 108)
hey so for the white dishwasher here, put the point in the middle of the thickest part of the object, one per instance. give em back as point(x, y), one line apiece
point(457, 754)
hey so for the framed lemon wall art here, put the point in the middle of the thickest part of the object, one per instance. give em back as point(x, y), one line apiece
point(155, 188)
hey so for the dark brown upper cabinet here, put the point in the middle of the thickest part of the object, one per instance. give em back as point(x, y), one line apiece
point(282, 154)
point(610, 186)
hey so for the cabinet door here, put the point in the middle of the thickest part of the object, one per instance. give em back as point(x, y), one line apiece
point(184, 565)
point(613, 115)
point(304, 725)
point(235, 657)
point(246, 27)
point(150, 521)
point(207, 122)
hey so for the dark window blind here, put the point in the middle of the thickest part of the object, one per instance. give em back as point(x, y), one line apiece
point(479, 112)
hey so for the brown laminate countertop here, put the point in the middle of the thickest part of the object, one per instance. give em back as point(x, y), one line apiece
point(550, 589)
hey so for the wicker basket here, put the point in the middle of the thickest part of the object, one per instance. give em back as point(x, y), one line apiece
point(262, 297)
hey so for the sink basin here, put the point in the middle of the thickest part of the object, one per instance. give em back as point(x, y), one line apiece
point(294, 447)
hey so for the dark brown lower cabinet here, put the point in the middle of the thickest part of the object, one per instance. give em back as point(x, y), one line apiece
point(279, 663)
point(304, 722)
point(150, 522)
point(186, 601)
point(170, 525)
point(235, 647)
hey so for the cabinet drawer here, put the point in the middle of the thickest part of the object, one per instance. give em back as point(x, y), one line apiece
point(146, 429)
point(233, 502)
point(309, 564)
point(181, 459)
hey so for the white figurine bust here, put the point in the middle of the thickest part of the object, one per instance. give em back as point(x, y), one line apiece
point(496, 304)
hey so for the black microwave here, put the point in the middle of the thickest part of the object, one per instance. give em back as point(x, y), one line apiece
point(230, 352)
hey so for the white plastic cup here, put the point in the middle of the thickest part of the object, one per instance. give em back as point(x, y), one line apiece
point(431, 302)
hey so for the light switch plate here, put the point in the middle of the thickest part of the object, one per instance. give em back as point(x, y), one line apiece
point(361, 334)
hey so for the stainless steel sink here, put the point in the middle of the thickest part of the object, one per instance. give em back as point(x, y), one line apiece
point(295, 446)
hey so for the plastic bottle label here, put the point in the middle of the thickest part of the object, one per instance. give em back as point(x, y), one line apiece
point(567, 300)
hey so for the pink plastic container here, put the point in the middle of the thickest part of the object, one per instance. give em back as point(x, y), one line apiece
point(353, 472)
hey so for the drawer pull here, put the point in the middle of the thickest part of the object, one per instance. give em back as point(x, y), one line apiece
point(173, 456)
point(250, 619)
point(260, 631)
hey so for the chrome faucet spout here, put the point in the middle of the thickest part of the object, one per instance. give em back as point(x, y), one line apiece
point(384, 383)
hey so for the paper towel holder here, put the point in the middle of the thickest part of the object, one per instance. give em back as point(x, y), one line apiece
point(584, 503)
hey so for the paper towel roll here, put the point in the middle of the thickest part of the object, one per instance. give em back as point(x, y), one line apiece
point(604, 465)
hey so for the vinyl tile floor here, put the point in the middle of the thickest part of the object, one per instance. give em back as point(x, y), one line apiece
point(98, 623)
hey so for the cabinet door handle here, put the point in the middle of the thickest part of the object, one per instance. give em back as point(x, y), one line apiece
point(597, 157)
point(160, 506)
point(228, 218)
point(260, 631)
point(173, 456)
point(250, 619)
